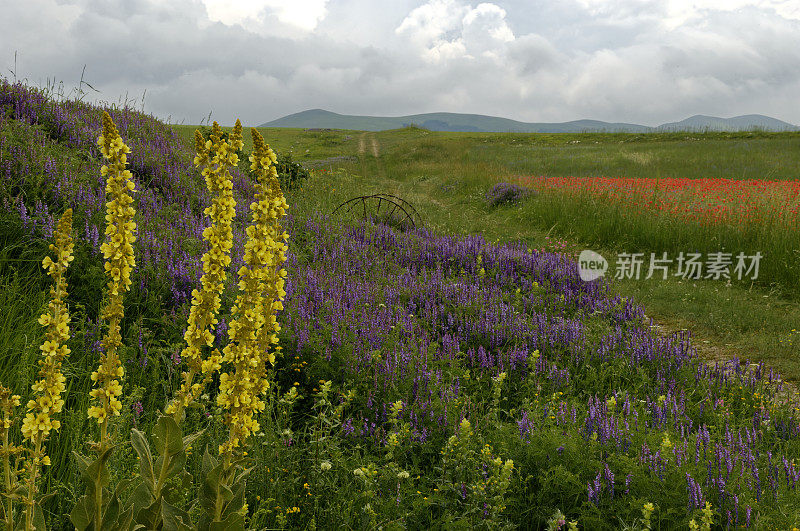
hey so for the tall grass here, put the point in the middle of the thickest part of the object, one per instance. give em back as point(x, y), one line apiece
point(596, 220)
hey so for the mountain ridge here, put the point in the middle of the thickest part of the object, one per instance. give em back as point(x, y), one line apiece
point(447, 121)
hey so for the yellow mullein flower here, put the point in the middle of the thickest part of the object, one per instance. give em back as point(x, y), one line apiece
point(118, 252)
point(269, 210)
point(253, 331)
point(666, 444)
point(38, 421)
point(215, 155)
point(7, 404)
point(708, 517)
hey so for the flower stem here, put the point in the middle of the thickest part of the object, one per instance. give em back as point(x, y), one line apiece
point(7, 472)
point(188, 378)
point(98, 487)
point(32, 483)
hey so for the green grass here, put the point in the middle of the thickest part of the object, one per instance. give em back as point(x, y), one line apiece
point(726, 321)
point(660, 156)
point(22, 301)
point(301, 144)
point(476, 160)
point(768, 156)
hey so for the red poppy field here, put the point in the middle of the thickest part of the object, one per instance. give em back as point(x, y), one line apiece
point(721, 201)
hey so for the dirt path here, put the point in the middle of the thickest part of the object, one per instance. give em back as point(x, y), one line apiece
point(713, 353)
point(370, 165)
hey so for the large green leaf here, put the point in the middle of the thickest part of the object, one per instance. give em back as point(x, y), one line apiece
point(142, 448)
point(150, 515)
point(83, 461)
point(82, 515)
point(94, 471)
point(38, 518)
point(110, 514)
point(236, 502)
point(175, 463)
point(167, 436)
point(175, 519)
point(141, 497)
point(38, 522)
point(189, 439)
point(125, 520)
point(211, 475)
point(234, 522)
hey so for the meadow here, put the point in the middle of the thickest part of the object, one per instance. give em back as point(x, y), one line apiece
point(459, 375)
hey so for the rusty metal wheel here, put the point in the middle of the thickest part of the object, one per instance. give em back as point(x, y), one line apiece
point(387, 209)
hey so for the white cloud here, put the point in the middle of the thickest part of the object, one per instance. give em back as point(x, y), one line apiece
point(485, 30)
point(254, 15)
point(675, 13)
point(303, 14)
point(447, 29)
point(433, 21)
point(232, 12)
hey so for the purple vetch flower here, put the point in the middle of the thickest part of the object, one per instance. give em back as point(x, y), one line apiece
point(138, 409)
point(608, 476)
point(23, 213)
point(219, 333)
point(696, 499)
point(525, 425)
point(595, 489)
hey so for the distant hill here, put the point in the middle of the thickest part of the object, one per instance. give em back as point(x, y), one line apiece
point(747, 122)
point(447, 121)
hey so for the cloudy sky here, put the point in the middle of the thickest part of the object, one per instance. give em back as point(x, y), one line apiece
point(640, 61)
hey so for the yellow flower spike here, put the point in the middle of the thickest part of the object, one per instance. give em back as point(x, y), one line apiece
point(206, 301)
point(252, 333)
point(118, 251)
point(37, 424)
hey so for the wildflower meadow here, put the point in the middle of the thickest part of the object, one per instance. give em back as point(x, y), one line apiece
point(191, 340)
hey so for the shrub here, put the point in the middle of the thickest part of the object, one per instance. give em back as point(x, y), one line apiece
point(506, 193)
point(290, 173)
